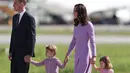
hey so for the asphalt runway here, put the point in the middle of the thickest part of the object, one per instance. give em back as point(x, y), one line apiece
point(65, 39)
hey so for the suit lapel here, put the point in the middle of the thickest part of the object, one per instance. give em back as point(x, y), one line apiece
point(18, 24)
point(17, 19)
point(22, 18)
point(15, 22)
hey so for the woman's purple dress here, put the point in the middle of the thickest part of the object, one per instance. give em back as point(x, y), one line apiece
point(83, 53)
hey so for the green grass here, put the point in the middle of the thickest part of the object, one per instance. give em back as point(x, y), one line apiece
point(119, 54)
point(117, 33)
point(5, 31)
point(39, 31)
point(69, 32)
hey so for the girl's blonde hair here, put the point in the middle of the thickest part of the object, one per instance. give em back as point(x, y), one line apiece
point(107, 62)
point(52, 48)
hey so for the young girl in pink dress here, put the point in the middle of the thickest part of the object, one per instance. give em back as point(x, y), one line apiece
point(105, 65)
point(51, 63)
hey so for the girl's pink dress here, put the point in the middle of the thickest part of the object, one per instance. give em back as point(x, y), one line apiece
point(106, 71)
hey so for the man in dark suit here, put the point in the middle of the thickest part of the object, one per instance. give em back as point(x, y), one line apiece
point(22, 38)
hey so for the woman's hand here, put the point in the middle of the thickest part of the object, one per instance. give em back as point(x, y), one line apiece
point(66, 59)
point(93, 60)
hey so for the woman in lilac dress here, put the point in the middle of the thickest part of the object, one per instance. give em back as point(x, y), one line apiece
point(83, 33)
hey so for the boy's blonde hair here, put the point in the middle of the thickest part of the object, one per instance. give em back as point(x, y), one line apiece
point(52, 48)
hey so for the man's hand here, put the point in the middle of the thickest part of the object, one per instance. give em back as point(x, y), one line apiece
point(27, 58)
point(10, 57)
point(93, 60)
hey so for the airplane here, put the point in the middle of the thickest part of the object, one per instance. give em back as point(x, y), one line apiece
point(61, 11)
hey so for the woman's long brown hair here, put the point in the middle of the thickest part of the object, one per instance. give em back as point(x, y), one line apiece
point(82, 15)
